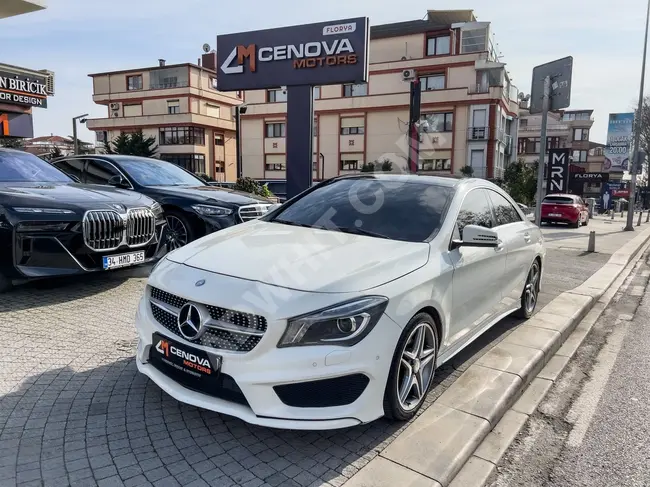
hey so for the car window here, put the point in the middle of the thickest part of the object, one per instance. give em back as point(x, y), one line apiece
point(99, 172)
point(558, 200)
point(504, 212)
point(72, 167)
point(22, 167)
point(409, 211)
point(475, 210)
point(154, 172)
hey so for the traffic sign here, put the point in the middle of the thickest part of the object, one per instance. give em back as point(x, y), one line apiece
point(560, 73)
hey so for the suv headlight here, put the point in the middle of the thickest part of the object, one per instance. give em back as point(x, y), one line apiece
point(44, 211)
point(157, 210)
point(344, 324)
point(209, 210)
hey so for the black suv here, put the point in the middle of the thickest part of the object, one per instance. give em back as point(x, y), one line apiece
point(192, 207)
point(51, 225)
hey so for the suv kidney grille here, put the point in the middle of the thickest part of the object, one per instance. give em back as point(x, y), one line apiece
point(251, 212)
point(108, 230)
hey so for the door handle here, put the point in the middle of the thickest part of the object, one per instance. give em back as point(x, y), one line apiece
point(527, 237)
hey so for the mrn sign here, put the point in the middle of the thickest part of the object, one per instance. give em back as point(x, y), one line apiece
point(557, 180)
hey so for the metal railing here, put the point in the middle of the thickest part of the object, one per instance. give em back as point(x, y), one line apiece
point(478, 133)
point(480, 88)
point(162, 86)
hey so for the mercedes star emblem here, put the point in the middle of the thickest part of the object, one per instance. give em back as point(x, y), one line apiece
point(190, 321)
point(199, 283)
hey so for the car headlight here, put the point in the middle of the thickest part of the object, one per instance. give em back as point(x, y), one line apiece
point(44, 211)
point(157, 210)
point(209, 210)
point(344, 324)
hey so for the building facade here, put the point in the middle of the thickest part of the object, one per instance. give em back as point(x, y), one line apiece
point(468, 104)
point(48, 145)
point(179, 106)
point(11, 8)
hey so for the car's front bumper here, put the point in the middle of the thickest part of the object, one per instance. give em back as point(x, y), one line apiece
point(255, 373)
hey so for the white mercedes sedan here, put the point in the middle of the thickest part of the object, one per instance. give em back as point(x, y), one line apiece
point(336, 308)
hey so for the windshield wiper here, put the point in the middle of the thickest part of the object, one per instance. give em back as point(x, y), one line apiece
point(361, 231)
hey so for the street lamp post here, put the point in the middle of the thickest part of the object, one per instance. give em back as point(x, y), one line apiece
point(238, 111)
point(629, 227)
point(74, 131)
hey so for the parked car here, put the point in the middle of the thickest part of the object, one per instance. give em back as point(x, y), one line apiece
point(51, 225)
point(192, 207)
point(336, 308)
point(565, 208)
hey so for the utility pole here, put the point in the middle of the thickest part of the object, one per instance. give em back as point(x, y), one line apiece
point(542, 151)
point(629, 227)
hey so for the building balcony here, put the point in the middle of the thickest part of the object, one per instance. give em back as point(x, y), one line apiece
point(9, 8)
point(165, 90)
point(507, 141)
point(549, 128)
point(478, 133)
point(117, 123)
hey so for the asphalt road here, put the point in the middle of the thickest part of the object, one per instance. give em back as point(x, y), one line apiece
point(593, 427)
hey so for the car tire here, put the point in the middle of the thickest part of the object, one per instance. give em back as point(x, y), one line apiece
point(577, 223)
point(5, 284)
point(586, 222)
point(180, 230)
point(530, 294)
point(412, 369)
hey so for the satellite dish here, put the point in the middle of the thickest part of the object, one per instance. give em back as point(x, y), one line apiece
point(206, 47)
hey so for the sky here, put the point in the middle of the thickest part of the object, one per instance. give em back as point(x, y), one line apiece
point(76, 37)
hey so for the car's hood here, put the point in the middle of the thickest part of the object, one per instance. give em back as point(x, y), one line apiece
point(208, 193)
point(303, 258)
point(69, 194)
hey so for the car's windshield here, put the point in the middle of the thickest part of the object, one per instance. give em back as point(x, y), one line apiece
point(399, 210)
point(22, 167)
point(558, 200)
point(154, 172)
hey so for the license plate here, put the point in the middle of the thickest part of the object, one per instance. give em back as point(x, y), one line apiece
point(189, 360)
point(558, 215)
point(123, 260)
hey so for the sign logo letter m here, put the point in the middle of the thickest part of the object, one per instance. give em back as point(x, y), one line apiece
point(240, 53)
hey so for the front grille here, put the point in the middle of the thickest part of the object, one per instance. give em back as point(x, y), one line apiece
point(251, 212)
point(103, 230)
point(108, 230)
point(140, 227)
point(214, 337)
point(324, 393)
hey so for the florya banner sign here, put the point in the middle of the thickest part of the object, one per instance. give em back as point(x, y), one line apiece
point(619, 138)
point(557, 175)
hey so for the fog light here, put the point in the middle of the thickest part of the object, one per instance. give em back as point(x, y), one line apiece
point(346, 325)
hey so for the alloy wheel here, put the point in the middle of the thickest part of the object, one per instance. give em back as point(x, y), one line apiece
point(531, 289)
point(177, 235)
point(417, 365)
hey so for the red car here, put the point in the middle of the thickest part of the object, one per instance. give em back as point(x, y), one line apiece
point(565, 208)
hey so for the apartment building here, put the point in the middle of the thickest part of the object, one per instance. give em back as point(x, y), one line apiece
point(11, 8)
point(46, 145)
point(179, 106)
point(468, 102)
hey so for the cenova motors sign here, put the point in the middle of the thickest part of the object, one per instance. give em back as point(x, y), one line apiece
point(23, 90)
point(312, 54)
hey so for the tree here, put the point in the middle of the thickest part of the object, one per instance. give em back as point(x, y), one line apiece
point(134, 144)
point(520, 181)
point(55, 153)
point(368, 167)
point(386, 165)
point(12, 143)
point(467, 171)
point(249, 185)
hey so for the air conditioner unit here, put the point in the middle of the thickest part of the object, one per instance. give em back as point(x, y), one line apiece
point(115, 106)
point(116, 114)
point(49, 81)
point(408, 74)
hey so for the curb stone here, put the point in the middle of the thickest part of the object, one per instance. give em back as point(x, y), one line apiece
point(459, 439)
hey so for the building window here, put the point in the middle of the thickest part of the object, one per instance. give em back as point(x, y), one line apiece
point(438, 122)
point(218, 139)
point(569, 117)
point(432, 82)
point(213, 111)
point(579, 156)
point(173, 107)
point(438, 46)
point(360, 89)
point(134, 82)
point(219, 167)
point(275, 166)
point(275, 129)
point(192, 162)
point(553, 143)
point(276, 95)
point(316, 92)
point(434, 165)
point(580, 134)
point(182, 135)
point(349, 165)
point(213, 83)
point(533, 145)
point(352, 130)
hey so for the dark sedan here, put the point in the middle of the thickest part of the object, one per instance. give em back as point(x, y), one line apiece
point(51, 225)
point(192, 207)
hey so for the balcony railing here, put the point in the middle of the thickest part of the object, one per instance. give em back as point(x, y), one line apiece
point(168, 85)
point(538, 128)
point(481, 88)
point(478, 133)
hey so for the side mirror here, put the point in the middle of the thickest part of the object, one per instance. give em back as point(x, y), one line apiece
point(477, 236)
point(118, 181)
